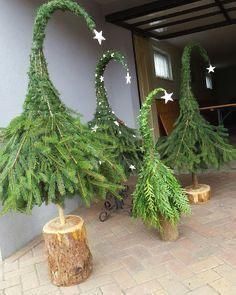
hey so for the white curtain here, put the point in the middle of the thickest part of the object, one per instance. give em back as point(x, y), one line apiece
point(162, 67)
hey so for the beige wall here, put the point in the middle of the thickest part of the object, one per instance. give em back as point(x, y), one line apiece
point(175, 56)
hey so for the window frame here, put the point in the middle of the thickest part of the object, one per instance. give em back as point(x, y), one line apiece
point(169, 64)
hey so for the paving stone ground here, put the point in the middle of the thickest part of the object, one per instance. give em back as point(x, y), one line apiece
point(130, 259)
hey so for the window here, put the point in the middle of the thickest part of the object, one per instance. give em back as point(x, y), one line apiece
point(209, 82)
point(162, 65)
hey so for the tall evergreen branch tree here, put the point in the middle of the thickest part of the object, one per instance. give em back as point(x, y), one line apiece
point(194, 144)
point(158, 194)
point(46, 155)
point(126, 139)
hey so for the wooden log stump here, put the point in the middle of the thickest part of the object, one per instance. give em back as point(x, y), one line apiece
point(169, 230)
point(198, 194)
point(69, 257)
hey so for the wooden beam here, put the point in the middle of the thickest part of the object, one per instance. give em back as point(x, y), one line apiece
point(195, 30)
point(189, 19)
point(138, 31)
point(146, 9)
point(175, 14)
point(180, 13)
point(182, 21)
point(223, 10)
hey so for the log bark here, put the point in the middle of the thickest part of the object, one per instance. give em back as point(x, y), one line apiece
point(195, 180)
point(69, 257)
point(169, 231)
point(199, 194)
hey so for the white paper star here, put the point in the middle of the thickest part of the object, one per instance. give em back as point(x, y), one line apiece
point(113, 54)
point(134, 136)
point(94, 128)
point(113, 112)
point(117, 123)
point(100, 162)
point(119, 132)
point(98, 36)
point(128, 78)
point(211, 69)
point(167, 97)
point(101, 78)
point(132, 167)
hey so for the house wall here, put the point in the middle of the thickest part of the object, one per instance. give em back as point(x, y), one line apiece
point(175, 57)
point(72, 55)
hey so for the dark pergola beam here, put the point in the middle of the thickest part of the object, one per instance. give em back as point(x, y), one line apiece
point(175, 14)
point(186, 20)
point(182, 21)
point(145, 9)
point(223, 10)
point(137, 30)
point(195, 30)
point(181, 13)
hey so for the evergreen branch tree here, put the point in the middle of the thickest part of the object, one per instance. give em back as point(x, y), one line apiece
point(125, 139)
point(158, 194)
point(47, 155)
point(194, 144)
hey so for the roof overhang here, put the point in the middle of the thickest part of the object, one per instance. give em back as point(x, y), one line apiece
point(165, 19)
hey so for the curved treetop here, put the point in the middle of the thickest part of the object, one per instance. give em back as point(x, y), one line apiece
point(38, 73)
point(185, 104)
point(106, 58)
point(105, 120)
point(46, 11)
point(146, 132)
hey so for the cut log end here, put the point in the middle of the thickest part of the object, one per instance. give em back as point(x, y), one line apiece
point(198, 195)
point(169, 231)
point(69, 257)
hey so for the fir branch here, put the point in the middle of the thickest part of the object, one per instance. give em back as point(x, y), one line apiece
point(157, 194)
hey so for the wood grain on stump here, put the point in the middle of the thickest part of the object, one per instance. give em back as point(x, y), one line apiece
point(199, 194)
point(69, 257)
point(169, 230)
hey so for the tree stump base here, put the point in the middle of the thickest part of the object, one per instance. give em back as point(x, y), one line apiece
point(199, 195)
point(69, 257)
point(169, 231)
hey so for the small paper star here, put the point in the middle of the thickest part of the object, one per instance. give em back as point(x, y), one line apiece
point(100, 162)
point(119, 132)
point(134, 136)
point(211, 69)
point(128, 78)
point(101, 79)
point(113, 112)
point(117, 124)
point(94, 128)
point(132, 167)
point(167, 97)
point(98, 36)
point(113, 54)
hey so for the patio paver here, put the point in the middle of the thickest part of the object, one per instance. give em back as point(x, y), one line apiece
point(130, 259)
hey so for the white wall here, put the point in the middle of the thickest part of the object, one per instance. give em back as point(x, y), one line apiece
point(72, 55)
